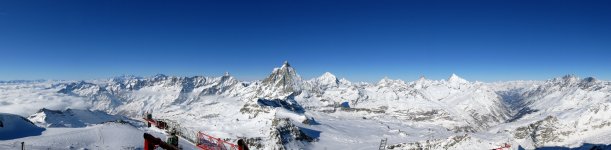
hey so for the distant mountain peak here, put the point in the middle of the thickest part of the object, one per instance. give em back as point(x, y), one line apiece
point(328, 75)
point(157, 76)
point(45, 110)
point(388, 81)
point(284, 78)
point(570, 77)
point(227, 77)
point(385, 80)
point(421, 82)
point(421, 78)
point(589, 79)
point(328, 79)
point(456, 79)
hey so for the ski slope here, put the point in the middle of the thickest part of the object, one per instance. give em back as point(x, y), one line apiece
point(107, 136)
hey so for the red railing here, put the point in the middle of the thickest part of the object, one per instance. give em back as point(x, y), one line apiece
point(503, 147)
point(204, 141)
point(158, 124)
point(152, 121)
point(207, 142)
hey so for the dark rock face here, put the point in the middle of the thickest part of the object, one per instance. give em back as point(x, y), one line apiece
point(283, 80)
point(287, 133)
point(287, 104)
point(542, 131)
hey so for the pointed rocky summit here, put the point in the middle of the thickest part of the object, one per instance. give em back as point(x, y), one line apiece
point(284, 78)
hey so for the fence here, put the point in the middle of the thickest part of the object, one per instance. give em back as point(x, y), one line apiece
point(202, 140)
point(208, 142)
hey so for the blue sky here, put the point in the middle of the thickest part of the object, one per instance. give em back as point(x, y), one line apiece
point(359, 40)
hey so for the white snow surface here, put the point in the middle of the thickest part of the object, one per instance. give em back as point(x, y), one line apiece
point(107, 136)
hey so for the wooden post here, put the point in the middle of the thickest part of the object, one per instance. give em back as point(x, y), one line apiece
point(22, 145)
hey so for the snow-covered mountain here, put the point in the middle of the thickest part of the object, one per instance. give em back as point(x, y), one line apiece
point(14, 126)
point(281, 83)
point(285, 111)
point(72, 118)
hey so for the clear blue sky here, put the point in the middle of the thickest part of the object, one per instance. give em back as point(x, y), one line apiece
point(488, 40)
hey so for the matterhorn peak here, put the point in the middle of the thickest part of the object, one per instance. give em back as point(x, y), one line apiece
point(456, 79)
point(284, 78)
point(286, 64)
point(226, 74)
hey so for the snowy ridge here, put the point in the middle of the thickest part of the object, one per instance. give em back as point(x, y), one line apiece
point(285, 111)
point(71, 118)
point(14, 126)
point(100, 136)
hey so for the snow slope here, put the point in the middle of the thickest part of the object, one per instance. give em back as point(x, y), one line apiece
point(72, 118)
point(107, 136)
point(14, 126)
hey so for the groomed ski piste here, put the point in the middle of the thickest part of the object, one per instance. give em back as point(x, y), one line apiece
point(284, 111)
point(100, 134)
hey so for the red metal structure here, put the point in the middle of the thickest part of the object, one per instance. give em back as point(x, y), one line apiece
point(204, 141)
point(151, 142)
point(503, 147)
point(158, 124)
point(207, 142)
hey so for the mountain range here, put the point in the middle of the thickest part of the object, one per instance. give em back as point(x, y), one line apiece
point(284, 111)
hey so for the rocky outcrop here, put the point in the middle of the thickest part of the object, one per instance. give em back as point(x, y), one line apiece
point(286, 134)
point(542, 132)
point(449, 143)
